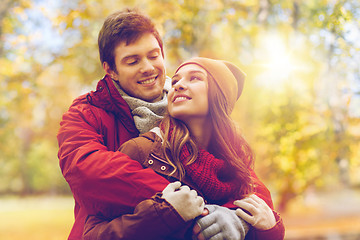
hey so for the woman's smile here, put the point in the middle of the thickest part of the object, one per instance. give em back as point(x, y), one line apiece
point(180, 98)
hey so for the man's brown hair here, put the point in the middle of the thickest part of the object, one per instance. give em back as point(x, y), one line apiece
point(124, 26)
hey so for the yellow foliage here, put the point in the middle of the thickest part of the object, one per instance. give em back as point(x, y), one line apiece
point(6, 67)
point(19, 11)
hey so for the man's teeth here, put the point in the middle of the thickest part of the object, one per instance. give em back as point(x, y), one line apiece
point(148, 81)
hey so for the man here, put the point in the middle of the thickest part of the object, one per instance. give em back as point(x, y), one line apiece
point(128, 100)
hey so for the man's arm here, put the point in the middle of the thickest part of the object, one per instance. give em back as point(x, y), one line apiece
point(101, 179)
point(153, 219)
point(156, 218)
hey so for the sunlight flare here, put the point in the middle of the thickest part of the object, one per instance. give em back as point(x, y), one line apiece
point(276, 61)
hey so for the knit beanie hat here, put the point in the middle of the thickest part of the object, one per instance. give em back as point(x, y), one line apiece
point(228, 77)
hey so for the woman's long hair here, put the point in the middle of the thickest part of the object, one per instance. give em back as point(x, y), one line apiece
point(226, 143)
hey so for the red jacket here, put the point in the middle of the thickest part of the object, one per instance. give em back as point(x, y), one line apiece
point(100, 177)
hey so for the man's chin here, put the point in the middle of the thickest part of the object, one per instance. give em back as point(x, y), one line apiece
point(154, 98)
point(153, 95)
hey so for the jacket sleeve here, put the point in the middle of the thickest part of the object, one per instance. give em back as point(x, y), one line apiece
point(153, 218)
point(261, 190)
point(275, 233)
point(278, 231)
point(101, 180)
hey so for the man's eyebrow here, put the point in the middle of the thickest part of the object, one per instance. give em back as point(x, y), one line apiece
point(124, 59)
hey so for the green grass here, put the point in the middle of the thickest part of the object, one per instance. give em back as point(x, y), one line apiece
point(39, 218)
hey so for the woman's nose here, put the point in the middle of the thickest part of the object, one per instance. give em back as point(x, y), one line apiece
point(180, 85)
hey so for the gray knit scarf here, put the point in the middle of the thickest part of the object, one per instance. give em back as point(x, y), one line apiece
point(146, 115)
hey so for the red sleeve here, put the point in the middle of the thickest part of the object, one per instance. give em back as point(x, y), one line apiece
point(101, 180)
point(261, 190)
point(278, 231)
point(275, 233)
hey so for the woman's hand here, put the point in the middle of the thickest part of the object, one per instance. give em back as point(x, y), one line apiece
point(259, 215)
point(185, 201)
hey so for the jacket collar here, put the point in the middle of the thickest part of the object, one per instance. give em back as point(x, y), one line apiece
point(107, 97)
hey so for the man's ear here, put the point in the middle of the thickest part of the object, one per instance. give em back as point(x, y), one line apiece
point(109, 71)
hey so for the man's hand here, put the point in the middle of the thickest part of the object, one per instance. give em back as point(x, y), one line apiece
point(261, 216)
point(218, 224)
point(185, 201)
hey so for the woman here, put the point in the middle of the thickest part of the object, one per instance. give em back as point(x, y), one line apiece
point(197, 143)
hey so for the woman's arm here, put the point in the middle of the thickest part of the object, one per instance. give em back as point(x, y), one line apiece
point(256, 212)
point(266, 222)
point(234, 226)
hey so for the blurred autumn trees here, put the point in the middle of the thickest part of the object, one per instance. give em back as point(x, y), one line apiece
point(300, 109)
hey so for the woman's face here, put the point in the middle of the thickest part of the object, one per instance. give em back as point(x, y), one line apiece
point(188, 96)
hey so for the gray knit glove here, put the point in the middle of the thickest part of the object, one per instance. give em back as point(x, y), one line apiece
point(222, 224)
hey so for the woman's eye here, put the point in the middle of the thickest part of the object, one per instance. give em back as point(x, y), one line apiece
point(195, 78)
point(173, 82)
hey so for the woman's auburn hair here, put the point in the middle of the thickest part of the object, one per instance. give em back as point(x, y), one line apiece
point(238, 155)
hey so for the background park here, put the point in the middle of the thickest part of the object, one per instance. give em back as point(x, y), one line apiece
point(300, 109)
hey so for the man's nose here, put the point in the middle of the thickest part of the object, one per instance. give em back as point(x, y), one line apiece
point(147, 66)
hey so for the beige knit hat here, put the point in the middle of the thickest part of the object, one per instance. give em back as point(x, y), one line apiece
point(228, 77)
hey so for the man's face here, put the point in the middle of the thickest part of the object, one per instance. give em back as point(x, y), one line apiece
point(140, 68)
